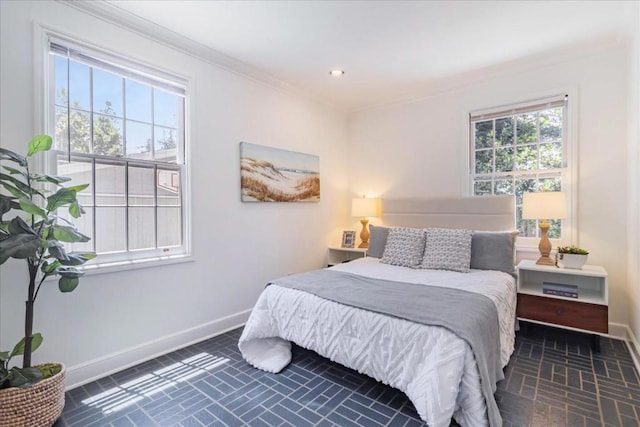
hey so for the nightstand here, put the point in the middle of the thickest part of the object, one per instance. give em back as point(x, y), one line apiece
point(589, 312)
point(339, 255)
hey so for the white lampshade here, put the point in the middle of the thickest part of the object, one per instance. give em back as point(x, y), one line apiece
point(544, 205)
point(363, 208)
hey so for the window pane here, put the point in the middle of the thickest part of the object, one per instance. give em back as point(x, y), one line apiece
point(484, 134)
point(138, 138)
point(165, 108)
point(165, 144)
point(551, 125)
point(138, 98)
point(526, 185)
point(110, 185)
point(80, 172)
point(526, 227)
point(168, 187)
point(80, 123)
point(551, 155)
point(61, 87)
point(107, 93)
point(110, 230)
point(142, 228)
point(61, 135)
point(504, 131)
point(550, 184)
point(484, 161)
point(555, 229)
point(141, 186)
point(79, 86)
point(504, 159)
point(169, 226)
point(503, 186)
point(526, 128)
point(482, 188)
point(84, 224)
point(526, 157)
point(107, 136)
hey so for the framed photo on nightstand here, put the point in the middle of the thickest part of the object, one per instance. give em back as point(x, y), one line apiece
point(348, 239)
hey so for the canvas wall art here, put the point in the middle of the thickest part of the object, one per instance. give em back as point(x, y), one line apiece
point(273, 175)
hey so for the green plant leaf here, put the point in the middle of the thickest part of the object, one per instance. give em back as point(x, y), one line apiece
point(14, 191)
point(78, 188)
point(75, 209)
point(5, 204)
point(31, 208)
point(50, 267)
point(57, 251)
point(10, 155)
point(14, 171)
point(77, 258)
point(68, 284)
point(39, 143)
point(19, 246)
point(24, 377)
point(4, 356)
point(68, 234)
point(60, 198)
point(18, 183)
point(19, 226)
point(70, 272)
point(19, 348)
point(53, 179)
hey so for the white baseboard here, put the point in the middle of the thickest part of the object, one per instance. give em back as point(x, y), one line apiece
point(618, 331)
point(92, 370)
point(634, 347)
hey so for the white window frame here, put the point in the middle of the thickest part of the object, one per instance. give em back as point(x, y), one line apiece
point(570, 159)
point(44, 94)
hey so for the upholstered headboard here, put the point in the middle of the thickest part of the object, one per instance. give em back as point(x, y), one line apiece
point(491, 213)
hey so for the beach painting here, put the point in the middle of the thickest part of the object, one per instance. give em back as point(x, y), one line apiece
point(273, 175)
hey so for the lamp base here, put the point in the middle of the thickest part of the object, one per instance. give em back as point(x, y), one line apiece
point(364, 234)
point(545, 260)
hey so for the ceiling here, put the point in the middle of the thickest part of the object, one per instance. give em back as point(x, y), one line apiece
point(390, 50)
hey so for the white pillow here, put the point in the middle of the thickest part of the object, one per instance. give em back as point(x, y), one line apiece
point(447, 249)
point(404, 247)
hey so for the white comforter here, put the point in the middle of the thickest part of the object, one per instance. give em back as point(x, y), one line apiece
point(434, 367)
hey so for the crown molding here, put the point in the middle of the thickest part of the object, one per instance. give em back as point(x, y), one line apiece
point(454, 83)
point(119, 17)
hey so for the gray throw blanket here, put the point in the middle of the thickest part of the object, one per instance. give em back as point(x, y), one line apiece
point(472, 317)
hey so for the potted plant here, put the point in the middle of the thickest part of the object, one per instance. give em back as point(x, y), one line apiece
point(34, 395)
point(571, 257)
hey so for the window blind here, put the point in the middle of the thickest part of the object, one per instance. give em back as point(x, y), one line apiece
point(118, 66)
point(522, 108)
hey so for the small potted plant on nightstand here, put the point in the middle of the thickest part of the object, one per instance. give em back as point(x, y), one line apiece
point(34, 395)
point(571, 257)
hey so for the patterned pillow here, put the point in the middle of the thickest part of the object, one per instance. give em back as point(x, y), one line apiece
point(447, 249)
point(404, 247)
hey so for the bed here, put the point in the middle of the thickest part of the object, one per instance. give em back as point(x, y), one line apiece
point(438, 365)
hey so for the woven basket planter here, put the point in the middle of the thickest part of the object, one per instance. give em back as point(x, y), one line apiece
point(38, 405)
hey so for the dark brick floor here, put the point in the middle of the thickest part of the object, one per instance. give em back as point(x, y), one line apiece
point(553, 379)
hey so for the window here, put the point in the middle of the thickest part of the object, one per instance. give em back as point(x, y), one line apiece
point(120, 127)
point(520, 149)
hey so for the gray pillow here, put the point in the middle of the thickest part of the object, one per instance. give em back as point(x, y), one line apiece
point(447, 249)
point(405, 247)
point(377, 240)
point(494, 250)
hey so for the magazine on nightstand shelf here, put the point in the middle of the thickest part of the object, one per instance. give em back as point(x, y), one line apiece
point(560, 289)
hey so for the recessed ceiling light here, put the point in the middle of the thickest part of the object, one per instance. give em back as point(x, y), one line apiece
point(336, 73)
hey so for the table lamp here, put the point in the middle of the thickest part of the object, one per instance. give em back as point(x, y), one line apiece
point(363, 208)
point(543, 206)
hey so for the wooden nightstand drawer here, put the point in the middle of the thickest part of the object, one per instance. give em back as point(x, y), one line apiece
point(590, 317)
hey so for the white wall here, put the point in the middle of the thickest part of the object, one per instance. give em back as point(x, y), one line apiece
point(238, 247)
point(419, 149)
point(633, 246)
